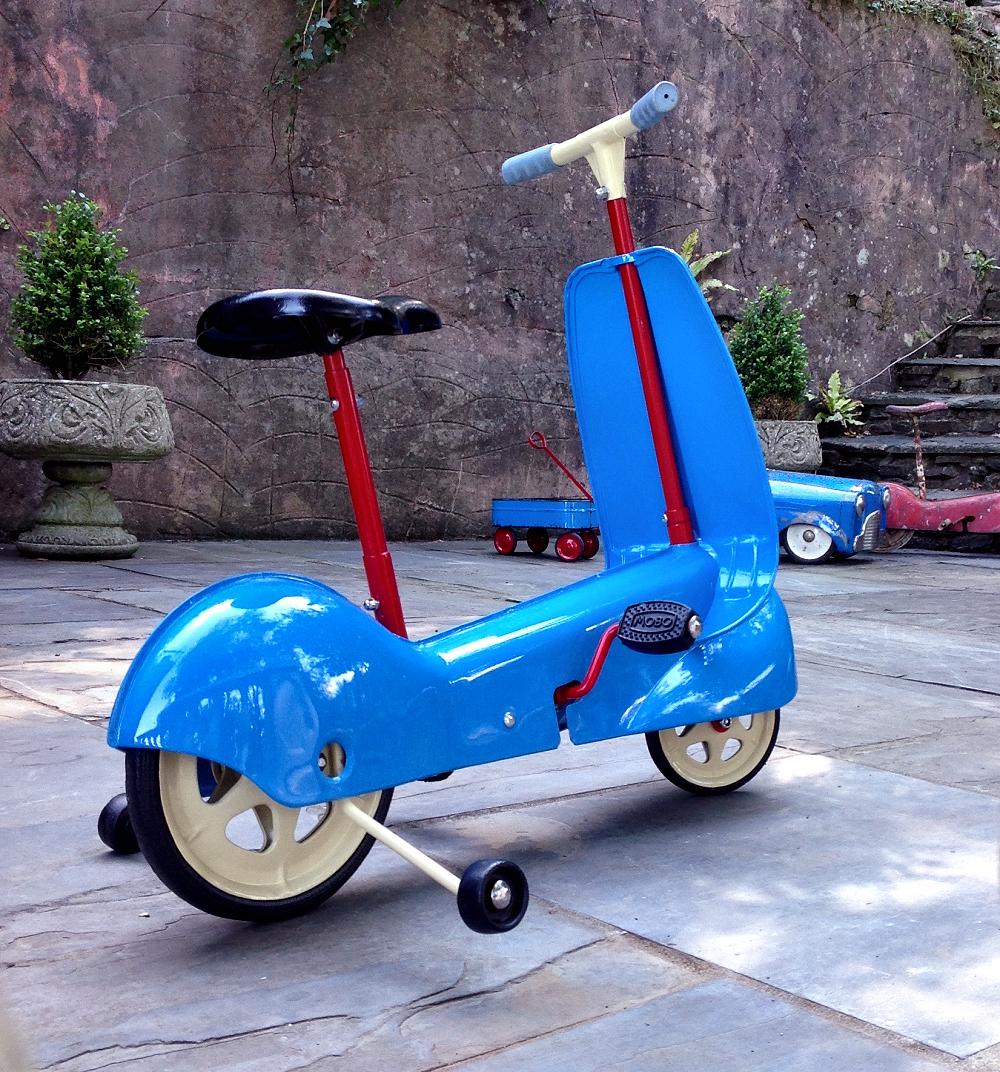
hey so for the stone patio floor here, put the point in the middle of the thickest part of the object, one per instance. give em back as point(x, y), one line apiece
point(841, 912)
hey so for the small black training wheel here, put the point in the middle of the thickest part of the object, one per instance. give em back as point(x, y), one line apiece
point(492, 896)
point(114, 827)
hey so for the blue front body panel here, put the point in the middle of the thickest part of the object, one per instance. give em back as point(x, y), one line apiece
point(261, 672)
point(544, 513)
point(828, 502)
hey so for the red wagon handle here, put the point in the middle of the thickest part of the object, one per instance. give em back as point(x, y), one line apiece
point(538, 441)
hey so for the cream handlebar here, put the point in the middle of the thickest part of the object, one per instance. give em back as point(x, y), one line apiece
point(648, 110)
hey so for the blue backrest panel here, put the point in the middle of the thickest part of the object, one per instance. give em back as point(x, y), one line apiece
point(719, 455)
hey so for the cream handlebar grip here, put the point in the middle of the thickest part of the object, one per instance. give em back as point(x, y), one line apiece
point(648, 110)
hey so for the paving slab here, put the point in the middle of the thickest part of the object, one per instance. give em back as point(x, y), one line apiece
point(844, 708)
point(842, 910)
point(717, 1026)
point(867, 892)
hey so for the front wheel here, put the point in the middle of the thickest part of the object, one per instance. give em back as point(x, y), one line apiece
point(895, 539)
point(808, 545)
point(227, 848)
point(715, 757)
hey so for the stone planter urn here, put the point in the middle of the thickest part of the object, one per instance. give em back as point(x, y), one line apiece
point(790, 445)
point(78, 429)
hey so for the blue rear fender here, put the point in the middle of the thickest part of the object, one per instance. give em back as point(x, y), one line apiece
point(260, 672)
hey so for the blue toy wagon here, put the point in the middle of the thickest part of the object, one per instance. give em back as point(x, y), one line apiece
point(574, 519)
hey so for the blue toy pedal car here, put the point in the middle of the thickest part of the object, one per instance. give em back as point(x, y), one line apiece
point(820, 517)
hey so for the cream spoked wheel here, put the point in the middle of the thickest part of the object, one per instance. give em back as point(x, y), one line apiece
point(227, 848)
point(715, 757)
point(807, 544)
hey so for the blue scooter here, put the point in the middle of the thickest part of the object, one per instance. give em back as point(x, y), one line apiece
point(267, 719)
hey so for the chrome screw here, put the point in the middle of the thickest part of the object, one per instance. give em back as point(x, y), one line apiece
point(501, 895)
point(371, 604)
point(509, 720)
point(694, 627)
point(334, 405)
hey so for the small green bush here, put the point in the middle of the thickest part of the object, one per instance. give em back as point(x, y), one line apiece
point(770, 356)
point(77, 310)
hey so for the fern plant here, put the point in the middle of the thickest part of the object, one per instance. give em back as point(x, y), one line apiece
point(699, 263)
point(77, 309)
point(836, 406)
point(770, 356)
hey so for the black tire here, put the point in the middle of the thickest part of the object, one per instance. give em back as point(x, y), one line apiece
point(142, 786)
point(114, 827)
point(537, 540)
point(666, 768)
point(475, 904)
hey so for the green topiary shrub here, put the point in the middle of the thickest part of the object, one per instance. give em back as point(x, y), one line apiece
point(77, 310)
point(770, 356)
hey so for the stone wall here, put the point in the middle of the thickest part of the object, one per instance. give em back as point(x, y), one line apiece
point(834, 150)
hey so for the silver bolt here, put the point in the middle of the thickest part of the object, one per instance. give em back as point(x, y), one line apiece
point(501, 895)
point(809, 535)
point(371, 604)
point(509, 720)
point(601, 193)
point(694, 627)
point(334, 405)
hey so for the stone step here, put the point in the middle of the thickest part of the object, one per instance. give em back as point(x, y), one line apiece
point(975, 339)
point(951, 461)
point(966, 376)
point(966, 414)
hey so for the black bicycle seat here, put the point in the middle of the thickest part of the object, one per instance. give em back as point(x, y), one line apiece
point(269, 324)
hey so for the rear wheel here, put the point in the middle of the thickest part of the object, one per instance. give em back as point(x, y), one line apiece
point(227, 848)
point(591, 544)
point(808, 545)
point(504, 541)
point(537, 540)
point(569, 546)
point(710, 758)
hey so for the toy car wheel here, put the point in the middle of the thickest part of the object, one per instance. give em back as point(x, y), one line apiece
point(504, 541)
point(715, 757)
point(114, 827)
point(809, 545)
point(591, 544)
point(569, 546)
point(537, 540)
point(492, 896)
point(895, 539)
point(227, 848)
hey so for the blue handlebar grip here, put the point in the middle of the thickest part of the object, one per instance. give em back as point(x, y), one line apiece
point(529, 165)
point(651, 107)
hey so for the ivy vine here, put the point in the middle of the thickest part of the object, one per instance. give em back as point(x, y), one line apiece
point(976, 46)
point(324, 29)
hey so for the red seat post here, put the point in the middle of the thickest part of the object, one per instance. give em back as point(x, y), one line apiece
point(361, 486)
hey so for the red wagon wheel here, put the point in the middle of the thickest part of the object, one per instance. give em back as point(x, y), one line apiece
point(591, 544)
point(569, 546)
point(538, 540)
point(504, 541)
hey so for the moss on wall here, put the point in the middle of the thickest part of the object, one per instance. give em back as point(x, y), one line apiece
point(974, 39)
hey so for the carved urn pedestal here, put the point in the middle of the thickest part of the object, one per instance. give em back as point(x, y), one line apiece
point(78, 429)
point(790, 445)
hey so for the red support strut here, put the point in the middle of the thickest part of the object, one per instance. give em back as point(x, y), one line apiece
point(678, 518)
point(375, 554)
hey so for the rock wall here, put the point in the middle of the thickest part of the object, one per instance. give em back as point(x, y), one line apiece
point(832, 149)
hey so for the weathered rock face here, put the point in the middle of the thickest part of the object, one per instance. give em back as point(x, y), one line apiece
point(834, 151)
